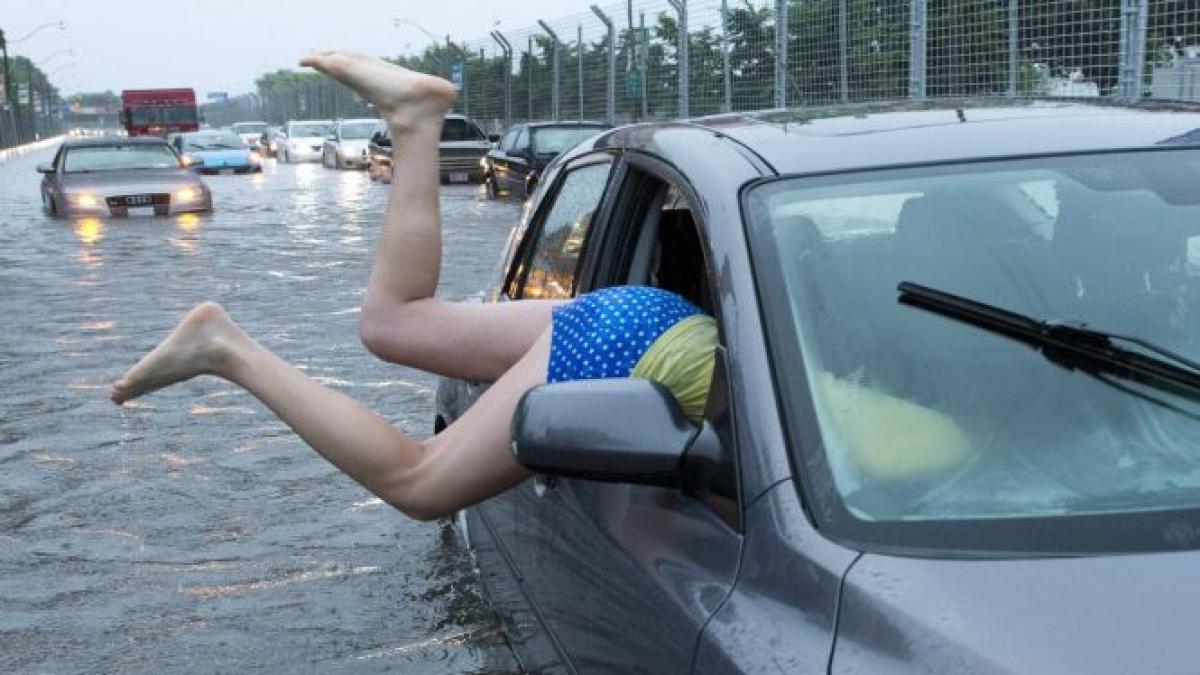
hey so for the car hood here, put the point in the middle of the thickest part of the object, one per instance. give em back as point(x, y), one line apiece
point(130, 182)
point(353, 146)
point(1110, 614)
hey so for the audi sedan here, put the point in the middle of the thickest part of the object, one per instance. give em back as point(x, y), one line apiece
point(120, 177)
point(954, 421)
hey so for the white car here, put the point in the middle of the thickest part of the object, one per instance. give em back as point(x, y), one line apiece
point(250, 132)
point(303, 140)
point(346, 146)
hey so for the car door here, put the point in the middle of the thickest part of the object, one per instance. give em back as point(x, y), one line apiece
point(497, 158)
point(543, 264)
point(517, 162)
point(623, 576)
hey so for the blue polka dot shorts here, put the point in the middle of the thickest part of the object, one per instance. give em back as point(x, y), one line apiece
point(604, 333)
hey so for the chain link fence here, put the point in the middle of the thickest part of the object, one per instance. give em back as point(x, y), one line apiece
point(666, 59)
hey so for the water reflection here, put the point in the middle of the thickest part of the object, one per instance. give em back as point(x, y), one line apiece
point(89, 231)
point(188, 240)
point(352, 189)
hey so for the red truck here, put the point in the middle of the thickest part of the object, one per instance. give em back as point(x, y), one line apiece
point(158, 112)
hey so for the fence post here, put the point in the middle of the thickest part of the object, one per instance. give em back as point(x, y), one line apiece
point(1014, 48)
point(610, 108)
point(1134, 15)
point(681, 55)
point(781, 55)
point(916, 50)
point(529, 89)
point(506, 49)
point(579, 61)
point(725, 70)
point(844, 53)
point(554, 92)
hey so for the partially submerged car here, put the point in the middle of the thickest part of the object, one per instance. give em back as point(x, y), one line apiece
point(462, 148)
point(524, 152)
point(346, 145)
point(119, 177)
point(379, 156)
point(216, 152)
point(954, 416)
point(303, 141)
point(250, 132)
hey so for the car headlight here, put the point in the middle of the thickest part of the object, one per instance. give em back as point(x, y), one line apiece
point(255, 158)
point(187, 194)
point(86, 199)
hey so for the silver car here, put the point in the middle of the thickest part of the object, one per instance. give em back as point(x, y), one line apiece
point(303, 141)
point(250, 132)
point(119, 177)
point(346, 145)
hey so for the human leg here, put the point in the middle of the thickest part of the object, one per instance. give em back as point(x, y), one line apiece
point(466, 463)
point(401, 320)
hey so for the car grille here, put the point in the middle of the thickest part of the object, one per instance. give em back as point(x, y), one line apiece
point(460, 159)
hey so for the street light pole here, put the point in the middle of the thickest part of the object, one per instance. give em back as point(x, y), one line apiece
point(60, 24)
point(51, 56)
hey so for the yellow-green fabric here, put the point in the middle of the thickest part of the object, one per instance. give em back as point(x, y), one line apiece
point(681, 359)
point(889, 438)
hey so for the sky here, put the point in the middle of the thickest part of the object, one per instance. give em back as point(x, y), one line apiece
point(224, 45)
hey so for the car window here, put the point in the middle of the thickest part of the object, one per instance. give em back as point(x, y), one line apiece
point(456, 129)
point(118, 157)
point(509, 141)
point(554, 255)
point(521, 144)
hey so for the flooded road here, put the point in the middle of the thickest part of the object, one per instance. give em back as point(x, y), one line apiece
point(192, 532)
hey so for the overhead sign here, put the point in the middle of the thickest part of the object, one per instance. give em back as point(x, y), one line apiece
point(633, 84)
point(218, 96)
point(456, 75)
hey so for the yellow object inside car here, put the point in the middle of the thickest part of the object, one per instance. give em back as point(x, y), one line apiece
point(889, 438)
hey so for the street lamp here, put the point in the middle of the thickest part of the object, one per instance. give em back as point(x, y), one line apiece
point(409, 22)
point(60, 69)
point(61, 25)
point(51, 56)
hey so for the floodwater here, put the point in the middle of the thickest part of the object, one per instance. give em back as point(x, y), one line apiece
point(191, 531)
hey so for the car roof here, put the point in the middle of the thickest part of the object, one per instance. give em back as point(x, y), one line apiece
point(114, 141)
point(818, 140)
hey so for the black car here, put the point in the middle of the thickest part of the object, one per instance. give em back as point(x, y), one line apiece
point(952, 425)
point(379, 156)
point(523, 153)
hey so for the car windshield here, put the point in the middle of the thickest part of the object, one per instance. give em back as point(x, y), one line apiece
point(249, 128)
point(455, 129)
point(218, 141)
point(924, 418)
point(310, 130)
point(119, 157)
point(552, 141)
point(356, 131)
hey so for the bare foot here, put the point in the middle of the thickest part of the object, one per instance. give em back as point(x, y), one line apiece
point(403, 97)
point(198, 345)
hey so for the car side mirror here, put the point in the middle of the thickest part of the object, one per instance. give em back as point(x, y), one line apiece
point(627, 430)
point(493, 138)
point(45, 168)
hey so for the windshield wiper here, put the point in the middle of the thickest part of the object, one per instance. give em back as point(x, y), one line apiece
point(1069, 346)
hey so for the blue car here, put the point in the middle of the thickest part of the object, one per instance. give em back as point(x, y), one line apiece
point(216, 152)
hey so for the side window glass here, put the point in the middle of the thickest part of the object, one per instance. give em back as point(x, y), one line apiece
point(508, 142)
point(522, 142)
point(554, 256)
